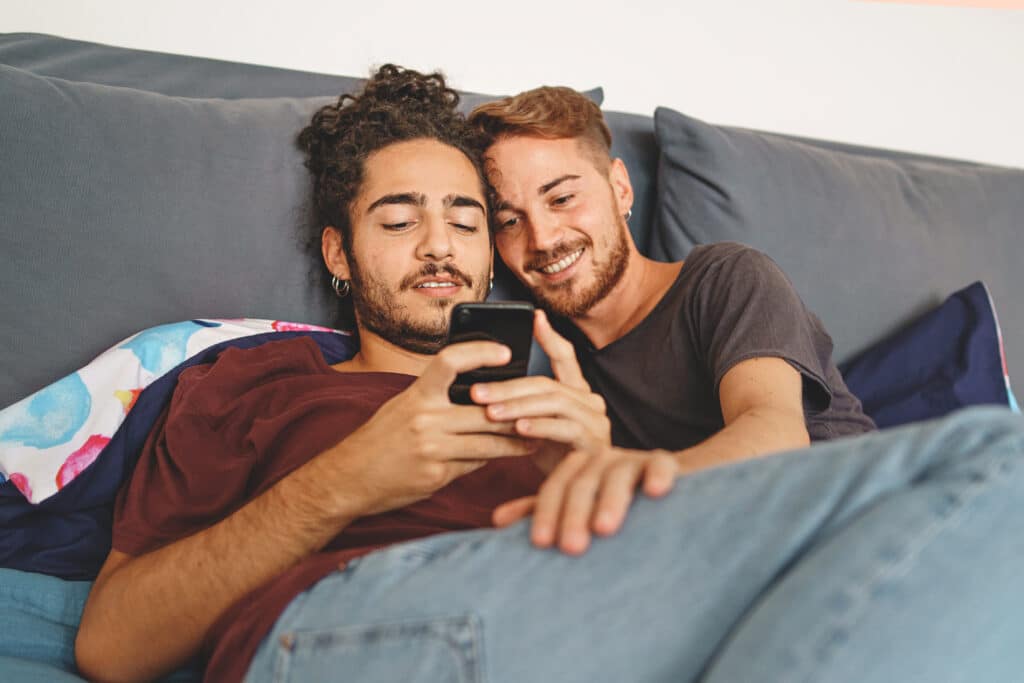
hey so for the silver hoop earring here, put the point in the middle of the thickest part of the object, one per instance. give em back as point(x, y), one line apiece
point(490, 287)
point(629, 214)
point(340, 287)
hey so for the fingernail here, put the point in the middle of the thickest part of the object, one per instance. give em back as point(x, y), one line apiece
point(523, 425)
point(496, 410)
point(480, 390)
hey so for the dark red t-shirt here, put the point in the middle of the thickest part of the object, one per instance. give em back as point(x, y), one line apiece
point(235, 427)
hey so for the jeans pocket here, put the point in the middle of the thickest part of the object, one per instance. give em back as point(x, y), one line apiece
point(438, 650)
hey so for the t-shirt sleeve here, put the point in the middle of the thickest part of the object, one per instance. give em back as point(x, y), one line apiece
point(745, 307)
point(193, 469)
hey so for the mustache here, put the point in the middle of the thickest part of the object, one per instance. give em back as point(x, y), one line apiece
point(539, 259)
point(430, 269)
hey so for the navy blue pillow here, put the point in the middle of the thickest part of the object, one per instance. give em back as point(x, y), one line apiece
point(950, 358)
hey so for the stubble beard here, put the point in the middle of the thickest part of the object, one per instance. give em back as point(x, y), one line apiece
point(568, 300)
point(379, 311)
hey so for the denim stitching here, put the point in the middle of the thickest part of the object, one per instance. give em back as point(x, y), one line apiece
point(948, 518)
point(460, 634)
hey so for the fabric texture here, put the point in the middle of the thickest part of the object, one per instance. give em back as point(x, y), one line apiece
point(128, 182)
point(40, 617)
point(730, 303)
point(737, 575)
point(869, 242)
point(50, 437)
point(179, 75)
point(950, 358)
point(68, 534)
point(236, 427)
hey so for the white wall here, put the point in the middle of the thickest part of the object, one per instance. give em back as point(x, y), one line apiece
point(940, 80)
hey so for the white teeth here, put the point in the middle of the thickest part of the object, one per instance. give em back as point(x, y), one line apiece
point(559, 266)
point(436, 284)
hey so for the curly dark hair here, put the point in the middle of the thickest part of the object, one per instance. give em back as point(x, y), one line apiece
point(395, 105)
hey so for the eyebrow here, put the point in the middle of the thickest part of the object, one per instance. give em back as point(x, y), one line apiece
point(414, 198)
point(462, 200)
point(419, 199)
point(505, 205)
point(546, 187)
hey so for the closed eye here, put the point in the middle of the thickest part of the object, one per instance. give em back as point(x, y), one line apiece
point(508, 223)
point(465, 228)
point(563, 200)
point(397, 226)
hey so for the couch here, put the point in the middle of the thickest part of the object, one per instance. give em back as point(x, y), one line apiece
point(142, 188)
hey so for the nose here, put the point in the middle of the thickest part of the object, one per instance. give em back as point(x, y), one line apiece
point(544, 232)
point(436, 240)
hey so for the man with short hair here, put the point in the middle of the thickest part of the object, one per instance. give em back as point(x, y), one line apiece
point(714, 359)
point(289, 520)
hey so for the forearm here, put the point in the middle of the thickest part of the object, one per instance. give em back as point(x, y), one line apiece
point(755, 433)
point(149, 614)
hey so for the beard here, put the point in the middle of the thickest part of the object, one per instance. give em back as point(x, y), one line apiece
point(378, 309)
point(570, 299)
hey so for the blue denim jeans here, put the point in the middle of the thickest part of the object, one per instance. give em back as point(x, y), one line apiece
point(896, 556)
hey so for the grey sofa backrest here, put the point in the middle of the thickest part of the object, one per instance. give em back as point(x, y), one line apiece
point(125, 207)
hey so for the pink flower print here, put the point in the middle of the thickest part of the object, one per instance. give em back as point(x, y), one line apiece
point(81, 459)
point(20, 482)
point(282, 326)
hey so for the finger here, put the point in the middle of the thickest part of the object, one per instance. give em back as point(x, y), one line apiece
point(511, 512)
point(563, 431)
point(548, 508)
point(560, 351)
point(460, 468)
point(482, 447)
point(660, 475)
point(549, 405)
point(492, 392)
point(616, 495)
point(459, 419)
point(578, 509)
point(462, 357)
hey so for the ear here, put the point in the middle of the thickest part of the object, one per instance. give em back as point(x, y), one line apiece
point(334, 253)
point(618, 176)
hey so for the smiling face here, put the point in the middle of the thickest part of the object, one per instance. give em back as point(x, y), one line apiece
point(420, 243)
point(559, 219)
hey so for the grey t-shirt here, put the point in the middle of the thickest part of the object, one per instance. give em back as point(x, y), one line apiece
point(729, 303)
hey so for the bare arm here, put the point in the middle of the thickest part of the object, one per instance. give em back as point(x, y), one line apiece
point(592, 488)
point(147, 615)
point(762, 407)
point(160, 605)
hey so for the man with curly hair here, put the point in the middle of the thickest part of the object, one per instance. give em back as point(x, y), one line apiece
point(292, 520)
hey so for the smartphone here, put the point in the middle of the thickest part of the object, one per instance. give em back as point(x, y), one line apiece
point(506, 322)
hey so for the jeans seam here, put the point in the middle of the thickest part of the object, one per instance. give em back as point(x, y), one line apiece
point(469, 659)
point(805, 661)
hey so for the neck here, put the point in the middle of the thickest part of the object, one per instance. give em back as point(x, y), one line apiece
point(643, 284)
point(377, 354)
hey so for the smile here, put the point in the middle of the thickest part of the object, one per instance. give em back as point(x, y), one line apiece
point(428, 285)
point(562, 264)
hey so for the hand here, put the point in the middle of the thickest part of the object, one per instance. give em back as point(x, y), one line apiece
point(590, 492)
point(419, 441)
point(563, 411)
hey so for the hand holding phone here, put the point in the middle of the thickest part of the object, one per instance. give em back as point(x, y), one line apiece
point(506, 322)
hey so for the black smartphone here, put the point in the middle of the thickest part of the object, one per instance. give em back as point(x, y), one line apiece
point(506, 322)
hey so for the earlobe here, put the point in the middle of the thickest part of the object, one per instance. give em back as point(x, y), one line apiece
point(334, 253)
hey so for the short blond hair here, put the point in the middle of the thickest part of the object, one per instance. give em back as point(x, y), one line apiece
point(547, 112)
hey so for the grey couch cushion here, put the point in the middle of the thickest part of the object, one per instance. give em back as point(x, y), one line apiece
point(168, 74)
point(870, 238)
point(121, 209)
